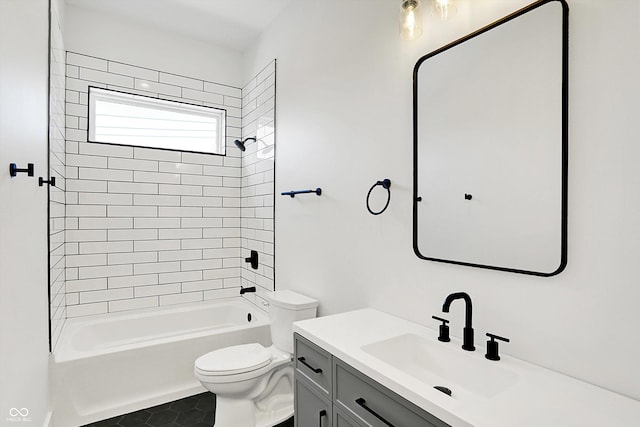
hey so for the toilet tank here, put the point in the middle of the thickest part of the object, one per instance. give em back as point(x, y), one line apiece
point(286, 307)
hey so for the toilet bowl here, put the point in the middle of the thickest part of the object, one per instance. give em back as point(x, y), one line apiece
point(254, 384)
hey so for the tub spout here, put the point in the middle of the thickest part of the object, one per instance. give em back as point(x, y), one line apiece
point(245, 290)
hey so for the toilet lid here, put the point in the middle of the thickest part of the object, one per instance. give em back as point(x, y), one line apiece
point(234, 360)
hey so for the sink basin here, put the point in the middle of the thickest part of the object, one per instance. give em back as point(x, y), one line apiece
point(467, 374)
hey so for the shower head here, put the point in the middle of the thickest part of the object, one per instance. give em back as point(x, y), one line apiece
point(240, 144)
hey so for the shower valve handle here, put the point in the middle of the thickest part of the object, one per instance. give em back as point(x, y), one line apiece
point(253, 259)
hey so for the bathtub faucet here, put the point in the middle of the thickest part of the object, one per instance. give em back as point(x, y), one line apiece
point(245, 290)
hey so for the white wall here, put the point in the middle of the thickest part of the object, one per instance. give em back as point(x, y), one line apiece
point(344, 121)
point(118, 39)
point(23, 211)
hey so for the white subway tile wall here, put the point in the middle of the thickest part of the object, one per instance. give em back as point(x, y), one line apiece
point(57, 169)
point(258, 182)
point(147, 227)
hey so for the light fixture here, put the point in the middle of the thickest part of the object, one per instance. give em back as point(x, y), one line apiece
point(445, 9)
point(410, 20)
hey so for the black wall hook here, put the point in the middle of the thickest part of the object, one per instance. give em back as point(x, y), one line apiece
point(386, 184)
point(14, 170)
point(51, 182)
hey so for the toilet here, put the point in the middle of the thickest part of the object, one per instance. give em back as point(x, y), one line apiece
point(254, 384)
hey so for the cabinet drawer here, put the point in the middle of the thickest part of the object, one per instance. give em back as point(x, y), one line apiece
point(340, 419)
point(372, 404)
point(311, 409)
point(314, 363)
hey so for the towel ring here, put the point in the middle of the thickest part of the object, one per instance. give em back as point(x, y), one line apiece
point(386, 184)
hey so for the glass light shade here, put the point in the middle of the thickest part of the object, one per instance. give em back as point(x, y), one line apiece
point(410, 20)
point(445, 9)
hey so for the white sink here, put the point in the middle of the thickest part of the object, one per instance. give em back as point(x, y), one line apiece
point(468, 375)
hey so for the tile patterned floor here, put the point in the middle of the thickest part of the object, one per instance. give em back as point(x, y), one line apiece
point(193, 411)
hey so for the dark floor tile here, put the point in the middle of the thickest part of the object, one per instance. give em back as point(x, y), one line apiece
point(111, 422)
point(184, 404)
point(159, 408)
point(190, 417)
point(287, 423)
point(209, 417)
point(135, 419)
point(206, 402)
point(162, 418)
point(193, 411)
point(172, 424)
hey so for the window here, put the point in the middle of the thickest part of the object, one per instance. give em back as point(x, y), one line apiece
point(128, 119)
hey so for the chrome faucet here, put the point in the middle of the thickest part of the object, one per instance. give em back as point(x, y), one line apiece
point(467, 342)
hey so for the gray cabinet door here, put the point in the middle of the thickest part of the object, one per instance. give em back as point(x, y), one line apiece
point(311, 409)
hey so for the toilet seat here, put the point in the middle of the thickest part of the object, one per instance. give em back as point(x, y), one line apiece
point(236, 359)
point(216, 375)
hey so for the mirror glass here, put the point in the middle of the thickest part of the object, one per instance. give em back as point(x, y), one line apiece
point(490, 145)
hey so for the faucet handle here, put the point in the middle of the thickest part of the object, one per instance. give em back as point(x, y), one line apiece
point(492, 346)
point(444, 329)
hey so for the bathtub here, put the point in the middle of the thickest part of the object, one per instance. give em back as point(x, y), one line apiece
point(113, 364)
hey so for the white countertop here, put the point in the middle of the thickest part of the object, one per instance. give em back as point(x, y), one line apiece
point(539, 398)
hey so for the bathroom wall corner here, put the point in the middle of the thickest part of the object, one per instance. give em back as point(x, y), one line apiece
point(57, 169)
point(258, 182)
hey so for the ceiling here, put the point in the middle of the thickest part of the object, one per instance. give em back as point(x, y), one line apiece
point(234, 24)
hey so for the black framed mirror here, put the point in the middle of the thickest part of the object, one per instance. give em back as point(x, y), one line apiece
point(490, 114)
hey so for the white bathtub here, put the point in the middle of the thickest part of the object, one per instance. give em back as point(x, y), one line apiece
point(117, 363)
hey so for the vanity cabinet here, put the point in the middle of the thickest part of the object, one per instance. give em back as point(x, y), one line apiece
point(329, 392)
point(311, 409)
point(312, 389)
